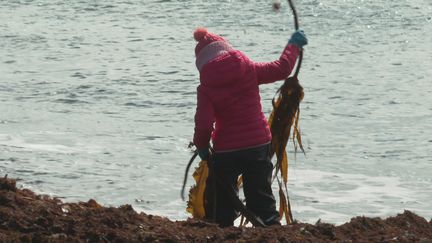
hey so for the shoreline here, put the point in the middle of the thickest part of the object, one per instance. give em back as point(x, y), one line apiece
point(26, 217)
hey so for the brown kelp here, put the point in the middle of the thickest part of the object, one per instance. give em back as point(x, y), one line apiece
point(284, 118)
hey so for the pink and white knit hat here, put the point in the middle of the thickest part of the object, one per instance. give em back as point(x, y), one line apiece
point(209, 46)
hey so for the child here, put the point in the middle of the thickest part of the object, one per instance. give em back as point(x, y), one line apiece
point(229, 99)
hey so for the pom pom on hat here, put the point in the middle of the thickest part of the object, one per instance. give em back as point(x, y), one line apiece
point(200, 33)
point(204, 37)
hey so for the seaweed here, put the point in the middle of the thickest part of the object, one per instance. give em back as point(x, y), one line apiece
point(284, 118)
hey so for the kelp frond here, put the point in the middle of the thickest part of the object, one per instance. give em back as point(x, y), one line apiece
point(284, 117)
point(195, 205)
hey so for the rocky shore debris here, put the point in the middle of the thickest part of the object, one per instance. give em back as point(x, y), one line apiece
point(28, 217)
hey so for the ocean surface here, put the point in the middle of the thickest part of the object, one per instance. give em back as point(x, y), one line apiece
point(97, 99)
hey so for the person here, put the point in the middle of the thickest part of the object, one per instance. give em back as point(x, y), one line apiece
point(229, 113)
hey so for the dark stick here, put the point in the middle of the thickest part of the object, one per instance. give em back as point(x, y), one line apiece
point(187, 172)
point(296, 25)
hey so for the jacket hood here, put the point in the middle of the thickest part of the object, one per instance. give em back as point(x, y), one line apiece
point(226, 69)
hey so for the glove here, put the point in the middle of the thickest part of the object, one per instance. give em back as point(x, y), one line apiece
point(203, 153)
point(298, 38)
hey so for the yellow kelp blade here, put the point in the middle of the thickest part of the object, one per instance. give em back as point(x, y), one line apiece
point(243, 221)
point(284, 208)
point(240, 181)
point(280, 135)
point(275, 105)
point(195, 204)
point(284, 167)
point(297, 135)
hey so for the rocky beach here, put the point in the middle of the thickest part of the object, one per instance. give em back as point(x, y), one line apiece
point(28, 217)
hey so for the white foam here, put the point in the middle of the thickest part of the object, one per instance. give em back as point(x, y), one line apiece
point(21, 143)
point(336, 197)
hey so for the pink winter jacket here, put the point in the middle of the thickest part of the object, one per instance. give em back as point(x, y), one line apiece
point(228, 96)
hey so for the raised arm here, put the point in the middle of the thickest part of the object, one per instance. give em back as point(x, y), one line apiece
point(268, 72)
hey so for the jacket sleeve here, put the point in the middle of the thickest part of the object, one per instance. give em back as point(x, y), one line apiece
point(204, 119)
point(269, 72)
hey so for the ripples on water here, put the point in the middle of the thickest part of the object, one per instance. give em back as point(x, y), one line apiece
point(97, 99)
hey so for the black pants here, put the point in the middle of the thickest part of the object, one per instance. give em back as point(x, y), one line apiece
point(256, 167)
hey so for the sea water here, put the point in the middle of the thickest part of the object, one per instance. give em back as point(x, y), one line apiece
point(97, 99)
